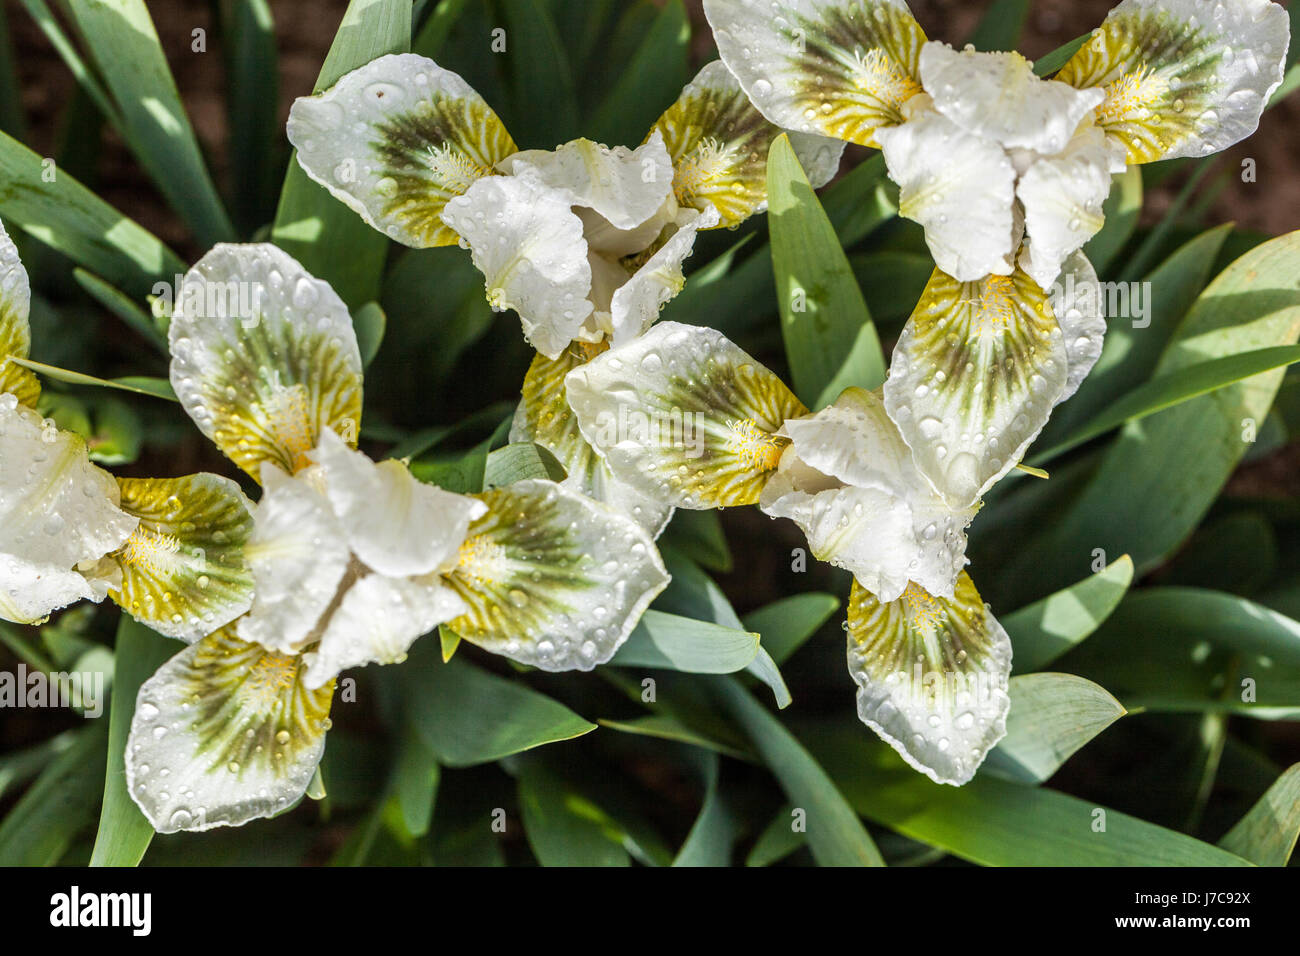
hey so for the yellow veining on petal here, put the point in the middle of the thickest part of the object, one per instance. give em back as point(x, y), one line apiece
point(755, 447)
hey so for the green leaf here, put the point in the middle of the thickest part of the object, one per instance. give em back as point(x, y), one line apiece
point(777, 841)
point(1046, 629)
point(467, 716)
point(140, 385)
point(520, 461)
point(1145, 256)
point(415, 782)
point(67, 216)
point(835, 834)
point(437, 26)
point(714, 832)
point(693, 594)
point(996, 822)
point(648, 82)
point(1051, 717)
point(665, 727)
point(369, 322)
point(683, 644)
point(1166, 391)
point(892, 283)
point(544, 109)
point(785, 625)
point(330, 240)
point(563, 826)
point(17, 767)
point(829, 337)
point(124, 307)
point(12, 120)
point(1001, 25)
point(1060, 56)
point(124, 833)
point(700, 534)
point(1191, 650)
point(1121, 209)
point(59, 805)
point(860, 201)
point(1267, 834)
point(122, 41)
point(252, 79)
point(764, 668)
point(1161, 475)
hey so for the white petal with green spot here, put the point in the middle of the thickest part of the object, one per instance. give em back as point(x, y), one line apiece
point(1182, 77)
point(395, 140)
point(225, 732)
point(552, 578)
point(932, 676)
point(684, 416)
point(839, 68)
point(973, 379)
point(183, 569)
point(264, 357)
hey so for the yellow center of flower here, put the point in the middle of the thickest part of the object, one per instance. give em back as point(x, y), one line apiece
point(1133, 96)
point(756, 448)
point(923, 612)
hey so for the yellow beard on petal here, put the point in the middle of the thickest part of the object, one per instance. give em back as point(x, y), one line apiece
point(996, 304)
point(271, 675)
point(756, 448)
point(291, 424)
point(147, 550)
point(884, 78)
point(481, 558)
point(699, 168)
point(1141, 90)
point(923, 612)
